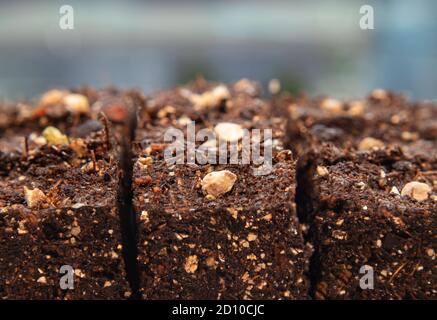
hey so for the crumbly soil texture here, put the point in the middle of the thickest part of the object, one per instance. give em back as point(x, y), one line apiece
point(348, 206)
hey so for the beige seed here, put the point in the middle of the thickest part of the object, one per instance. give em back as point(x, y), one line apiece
point(34, 197)
point(416, 190)
point(228, 131)
point(76, 103)
point(409, 136)
point(379, 94)
point(52, 97)
point(322, 171)
point(217, 183)
point(356, 108)
point(370, 143)
point(332, 105)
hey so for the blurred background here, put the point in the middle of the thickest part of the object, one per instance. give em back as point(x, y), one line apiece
point(315, 46)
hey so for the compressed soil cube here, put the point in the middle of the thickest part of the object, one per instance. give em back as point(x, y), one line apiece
point(216, 231)
point(369, 209)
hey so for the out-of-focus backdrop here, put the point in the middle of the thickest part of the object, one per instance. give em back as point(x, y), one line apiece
point(315, 46)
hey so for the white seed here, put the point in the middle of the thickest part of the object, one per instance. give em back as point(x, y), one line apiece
point(416, 190)
point(218, 182)
point(229, 131)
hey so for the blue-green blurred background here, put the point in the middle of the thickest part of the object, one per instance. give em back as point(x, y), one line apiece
point(316, 46)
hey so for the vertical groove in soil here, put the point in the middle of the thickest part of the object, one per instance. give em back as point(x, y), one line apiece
point(128, 219)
